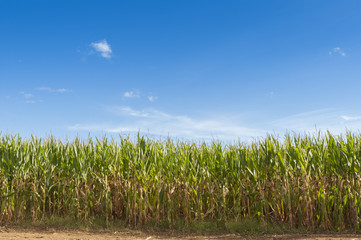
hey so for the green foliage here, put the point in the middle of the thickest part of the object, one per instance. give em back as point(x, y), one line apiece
point(302, 181)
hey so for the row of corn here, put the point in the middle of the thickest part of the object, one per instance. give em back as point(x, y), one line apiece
point(301, 180)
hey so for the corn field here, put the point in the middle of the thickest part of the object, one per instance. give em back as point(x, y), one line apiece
point(302, 180)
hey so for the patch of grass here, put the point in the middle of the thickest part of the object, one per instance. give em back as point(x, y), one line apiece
point(67, 223)
point(248, 227)
point(245, 226)
point(199, 227)
point(254, 226)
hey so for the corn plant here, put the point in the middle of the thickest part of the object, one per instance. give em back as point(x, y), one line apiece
point(303, 180)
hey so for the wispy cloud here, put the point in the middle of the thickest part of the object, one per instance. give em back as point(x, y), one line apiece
point(160, 123)
point(103, 48)
point(103, 127)
point(349, 118)
point(51, 90)
point(126, 111)
point(137, 94)
point(131, 94)
point(319, 120)
point(307, 121)
point(152, 98)
point(30, 98)
point(31, 101)
point(27, 95)
point(338, 51)
point(270, 94)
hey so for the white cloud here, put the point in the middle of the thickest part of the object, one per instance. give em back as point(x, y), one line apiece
point(31, 101)
point(59, 90)
point(137, 94)
point(349, 118)
point(27, 95)
point(101, 127)
point(337, 50)
point(30, 98)
point(152, 98)
point(103, 48)
point(160, 123)
point(131, 94)
point(319, 120)
point(305, 122)
point(126, 111)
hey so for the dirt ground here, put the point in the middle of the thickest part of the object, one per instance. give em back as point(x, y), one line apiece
point(55, 234)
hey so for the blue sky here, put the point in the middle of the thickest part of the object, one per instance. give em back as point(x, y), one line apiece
point(228, 70)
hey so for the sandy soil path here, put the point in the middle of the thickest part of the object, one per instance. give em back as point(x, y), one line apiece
point(52, 234)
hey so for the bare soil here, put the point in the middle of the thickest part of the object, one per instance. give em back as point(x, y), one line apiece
point(56, 234)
